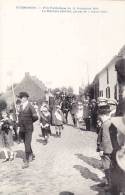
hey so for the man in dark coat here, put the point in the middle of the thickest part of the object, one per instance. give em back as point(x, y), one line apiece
point(27, 116)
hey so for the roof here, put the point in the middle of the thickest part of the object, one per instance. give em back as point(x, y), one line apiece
point(112, 62)
point(39, 83)
point(9, 96)
point(122, 51)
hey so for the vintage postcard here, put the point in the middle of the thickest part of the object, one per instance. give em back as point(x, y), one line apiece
point(62, 94)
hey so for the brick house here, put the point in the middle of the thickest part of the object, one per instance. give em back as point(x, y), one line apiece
point(32, 85)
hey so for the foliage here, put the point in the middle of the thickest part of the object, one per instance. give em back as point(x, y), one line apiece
point(3, 104)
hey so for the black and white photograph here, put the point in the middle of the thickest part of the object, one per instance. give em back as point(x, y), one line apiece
point(62, 97)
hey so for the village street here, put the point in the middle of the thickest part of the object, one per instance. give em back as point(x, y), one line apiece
point(66, 164)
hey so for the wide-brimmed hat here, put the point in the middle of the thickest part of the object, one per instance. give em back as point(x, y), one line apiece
point(23, 94)
point(120, 158)
point(112, 102)
point(58, 106)
point(102, 101)
point(119, 123)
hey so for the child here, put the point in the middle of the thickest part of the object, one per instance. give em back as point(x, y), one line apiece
point(6, 136)
point(45, 122)
point(104, 143)
point(58, 120)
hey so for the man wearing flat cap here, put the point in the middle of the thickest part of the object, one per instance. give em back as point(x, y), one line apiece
point(27, 116)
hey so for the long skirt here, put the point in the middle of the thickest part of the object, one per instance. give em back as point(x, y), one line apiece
point(6, 139)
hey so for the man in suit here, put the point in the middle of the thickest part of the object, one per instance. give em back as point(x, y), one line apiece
point(27, 116)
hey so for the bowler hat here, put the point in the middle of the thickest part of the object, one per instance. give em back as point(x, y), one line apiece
point(23, 94)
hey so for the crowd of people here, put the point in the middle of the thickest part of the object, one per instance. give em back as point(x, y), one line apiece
point(17, 125)
point(99, 116)
point(111, 145)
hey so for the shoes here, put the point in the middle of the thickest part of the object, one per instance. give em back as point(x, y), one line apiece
point(6, 160)
point(31, 157)
point(56, 133)
point(26, 165)
point(12, 158)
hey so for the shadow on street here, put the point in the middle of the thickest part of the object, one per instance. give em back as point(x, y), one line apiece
point(86, 173)
point(90, 161)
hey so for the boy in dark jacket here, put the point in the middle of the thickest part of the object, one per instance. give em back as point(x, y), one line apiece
point(27, 116)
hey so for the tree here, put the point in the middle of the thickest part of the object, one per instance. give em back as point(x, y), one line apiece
point(3, 104)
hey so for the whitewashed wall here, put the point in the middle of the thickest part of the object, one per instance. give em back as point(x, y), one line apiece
point(112, 80)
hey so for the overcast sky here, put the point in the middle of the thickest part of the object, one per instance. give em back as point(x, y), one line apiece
point(58, 47)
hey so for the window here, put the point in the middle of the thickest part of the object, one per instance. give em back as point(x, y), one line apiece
point(107, 76)
point(115, 92)
point(108, 92)
point(101, 93)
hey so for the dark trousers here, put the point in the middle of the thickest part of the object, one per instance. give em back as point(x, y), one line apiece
point(44, 132)
point(87, 122)
point(15, 130)
point(74, 119)
point(94, 121)
point(65, 113)
point(27, 138)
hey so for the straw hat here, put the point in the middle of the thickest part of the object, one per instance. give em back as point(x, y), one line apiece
point(120, 158)
point(119, 123)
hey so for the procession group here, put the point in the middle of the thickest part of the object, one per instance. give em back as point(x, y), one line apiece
point(18, 125)
point(101, 115)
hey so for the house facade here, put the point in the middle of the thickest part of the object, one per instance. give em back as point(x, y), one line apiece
point(106, 82)
point(32, 85)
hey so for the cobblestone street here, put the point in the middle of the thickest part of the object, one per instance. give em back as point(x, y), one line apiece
point(66, 164)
